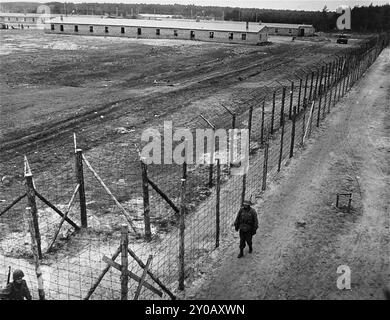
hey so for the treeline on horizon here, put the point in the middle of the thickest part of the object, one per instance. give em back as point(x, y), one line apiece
point(363, 19)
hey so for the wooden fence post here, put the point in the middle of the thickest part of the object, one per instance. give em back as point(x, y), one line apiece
point(281, 145)
point(305, 91)
point(291, 100)
point(34, 212)
point(265, 166)
point(145, 193)
point(80, 181)
point(273, 111)
point(311, 86)
point(262, 122)
point(303, 120)
point(316, 87)
point(294, 117)
point(217, 207)
point(124, 261)
point(299, 94)
point(181, 233)
point(320, 95)
point(325, 89)
point(282, 108)
point(34, 248)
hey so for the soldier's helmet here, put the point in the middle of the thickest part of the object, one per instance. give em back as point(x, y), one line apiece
point(18, 274)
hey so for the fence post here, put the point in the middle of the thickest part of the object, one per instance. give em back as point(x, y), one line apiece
point(34, 212)
point(231, 142)
point(299, 94)
point(80, 181)
point(320, 95)
point(34, 248)
point(325, 89)
point(340, 78)
point(294, 117)
point(273, 112)
point(262, 122)
point(311, 86)
point(282, 108)
point(124, 261)
point(303, 120)
point(281, 145)
point(181, 233)
point(305, 91)
point(316, 87)
point(291, 100)
point(145, 194)
point(211, 167)
point(265, 166)
point(217, 208)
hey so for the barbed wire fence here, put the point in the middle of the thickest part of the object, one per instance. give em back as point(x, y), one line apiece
point(74, 228)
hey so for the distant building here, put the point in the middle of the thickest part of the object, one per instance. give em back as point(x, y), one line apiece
point(242, 33)
point(21, 20)
point(285, 29)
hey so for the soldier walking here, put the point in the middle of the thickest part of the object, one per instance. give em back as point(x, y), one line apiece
point(246, 223)
point(16, 290)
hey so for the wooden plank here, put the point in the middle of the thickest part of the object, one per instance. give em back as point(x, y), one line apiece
point(181, 233)
point(151, 275)
point(101, 276)
point(144, 273)
point(164, 196)
point(64, 217)
point(13, 203)
point(47, 202)
point(131, 275)
point(124, 261)
point(80, 181)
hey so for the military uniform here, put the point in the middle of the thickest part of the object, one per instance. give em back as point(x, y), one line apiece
point(16, 290)
point(246, 223)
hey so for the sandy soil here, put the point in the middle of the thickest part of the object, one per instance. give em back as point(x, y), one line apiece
point(303, 237)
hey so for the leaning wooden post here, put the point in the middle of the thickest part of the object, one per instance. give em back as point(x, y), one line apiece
point(316, 86)
point(80, 181)
point(145, 193)
point(124, 261)
point(265, 166)
point(305, 91)
point(325, 90)
point(181, 233)
point(217, 205)
point(281, 145)
point(33, 206)
point(262, 122)
point(294, 117)
point(291, 100)
point(282, 108)
point(34, 248)
point(273, 112)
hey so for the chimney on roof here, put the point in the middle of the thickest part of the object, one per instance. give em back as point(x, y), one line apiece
point(247, 25)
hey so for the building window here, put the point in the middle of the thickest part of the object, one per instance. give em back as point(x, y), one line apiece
point(76, 28)
point(211, 35)
point(17, 19)
point(25, 19)
point(230, 35)
point(33, 19)
point(52, 27)
point(122, 29)
point(61, 27)
point(243, 36)
point(289, 30)
point(175, 33)
point(276, 30)
point(192, 34)
point(157, 32)
point(105, 29)
point(139, 31)
point(9, 19)
point(90, 28)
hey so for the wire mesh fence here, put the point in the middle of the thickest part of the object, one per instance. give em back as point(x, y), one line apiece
point(121, 189)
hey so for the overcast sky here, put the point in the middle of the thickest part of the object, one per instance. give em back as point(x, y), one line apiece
point(273, 4)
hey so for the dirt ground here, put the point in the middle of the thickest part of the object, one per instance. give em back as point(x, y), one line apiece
point(302, 237)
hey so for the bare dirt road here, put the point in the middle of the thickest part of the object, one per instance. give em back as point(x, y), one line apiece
point(349, 153)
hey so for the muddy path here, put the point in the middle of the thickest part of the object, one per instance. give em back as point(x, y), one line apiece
point(303, 238)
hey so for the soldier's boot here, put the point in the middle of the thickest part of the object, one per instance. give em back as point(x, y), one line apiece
point(241, 254)
point(250, 249)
